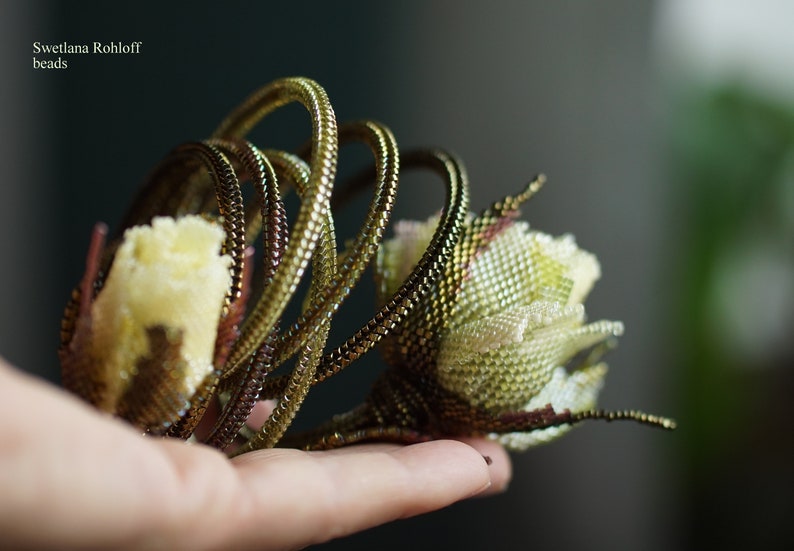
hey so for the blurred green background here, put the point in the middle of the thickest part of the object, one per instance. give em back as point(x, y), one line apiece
point(666, 130)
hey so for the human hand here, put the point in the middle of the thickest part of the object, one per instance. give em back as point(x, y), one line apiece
point(73, 478)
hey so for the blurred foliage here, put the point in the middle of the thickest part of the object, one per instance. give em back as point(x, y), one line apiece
point(733, 159)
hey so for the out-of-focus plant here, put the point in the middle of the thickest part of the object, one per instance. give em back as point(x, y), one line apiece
point(733, 161)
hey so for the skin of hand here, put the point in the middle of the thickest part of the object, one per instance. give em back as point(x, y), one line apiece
point(71, 477)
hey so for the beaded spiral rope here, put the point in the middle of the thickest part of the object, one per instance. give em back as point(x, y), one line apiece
point(480, 319)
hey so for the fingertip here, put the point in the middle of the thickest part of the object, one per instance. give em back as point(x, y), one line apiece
point(371, 483)
point(456, 469)
point(500, 467)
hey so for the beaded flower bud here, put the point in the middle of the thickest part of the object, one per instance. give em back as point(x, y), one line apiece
point(499, 346)
point(517, 320)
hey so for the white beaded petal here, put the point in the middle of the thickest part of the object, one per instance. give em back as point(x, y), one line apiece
point(492, 366)
point(577, 392)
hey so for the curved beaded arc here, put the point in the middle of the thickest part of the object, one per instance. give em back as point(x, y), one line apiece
point(308, 223)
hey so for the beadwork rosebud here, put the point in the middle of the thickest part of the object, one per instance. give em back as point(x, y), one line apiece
point(147, 343)
point(517, 320)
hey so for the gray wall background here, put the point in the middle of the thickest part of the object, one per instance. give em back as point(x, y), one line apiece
point(514, 88)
